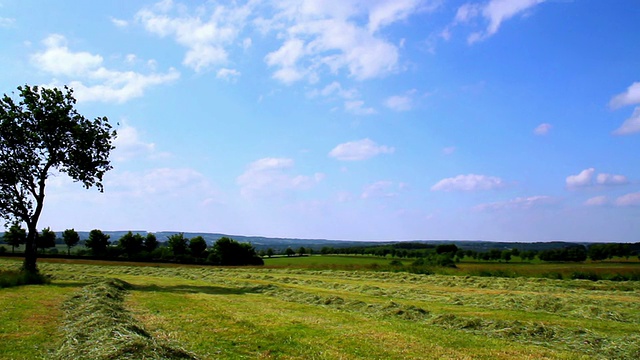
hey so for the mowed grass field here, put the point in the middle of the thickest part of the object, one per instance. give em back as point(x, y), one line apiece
point(284, 312)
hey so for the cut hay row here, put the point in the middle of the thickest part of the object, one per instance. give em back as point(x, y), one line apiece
point(97, 326)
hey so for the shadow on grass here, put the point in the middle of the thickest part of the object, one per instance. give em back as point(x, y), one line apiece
point(193, 289)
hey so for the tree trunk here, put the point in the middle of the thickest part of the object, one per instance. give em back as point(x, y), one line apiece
point(30, 253)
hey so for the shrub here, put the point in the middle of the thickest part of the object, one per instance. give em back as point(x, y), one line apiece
point(17, 278)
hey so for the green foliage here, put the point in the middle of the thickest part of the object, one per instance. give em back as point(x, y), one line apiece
point(178, 244)
point(15, 237)
point(46, 239)
point(198, 247)
point(18, 278)
point(574, 253)
point(289, 252)
point(98, 242)
point(131, 245)
point(39, 134)
point(150, 242)
point(71, 238)
point(227, 251)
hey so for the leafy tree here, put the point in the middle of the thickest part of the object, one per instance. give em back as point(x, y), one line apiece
point(301, 251)
point(98, 242)
point(15, 237)
point(150, 242)
point(446, 248)
point(198, 247)
point(42, 134)
point(270, 252)
point(131, 245)
point(289, 252)
point(71, 239)
point(46, 239)
point(227, 251)
point(178, 244)
point(506, 255)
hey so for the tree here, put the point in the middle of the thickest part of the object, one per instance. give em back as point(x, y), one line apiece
point(301, 251)
point(227, 251)
point(15, 237)
point(270, 252)
point(178, 244)
point(40, 135)
point(289, 252)
point(46, 239)
point(150, 242)
point(198, 246)
point(97, 242)
point(131, 245)
point(71, 239)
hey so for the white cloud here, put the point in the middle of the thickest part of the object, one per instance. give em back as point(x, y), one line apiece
point(228, 74)
point(330, 35)
point(520, 203)
point(129, 145)
point(119, 22)
point(542, 129)
point(631, 125)
point(400, 102)
point(357, 107)
point(335, 89)
point(359, 150)
point(270, 176)
point(495, 12)
point(379, 189)
point(7, 22)
point(630, 97)
point(82, 68)
point(160, 182)
point(610, 179)
point(584, 178)
point(205, 34)
point(597, 201)
point(632, 199)
point(470, 182)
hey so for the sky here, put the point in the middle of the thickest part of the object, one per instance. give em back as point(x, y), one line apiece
point(497, 120)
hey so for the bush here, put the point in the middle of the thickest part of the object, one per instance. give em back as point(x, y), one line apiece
point(17, 278)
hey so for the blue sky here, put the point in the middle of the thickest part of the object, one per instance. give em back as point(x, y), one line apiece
point(506, 120)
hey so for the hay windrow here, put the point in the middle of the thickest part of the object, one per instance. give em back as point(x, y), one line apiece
point(97, 326)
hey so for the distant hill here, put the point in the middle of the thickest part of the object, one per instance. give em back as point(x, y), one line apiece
point(261, 242)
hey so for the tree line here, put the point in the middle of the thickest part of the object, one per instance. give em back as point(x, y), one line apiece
point(136, 247)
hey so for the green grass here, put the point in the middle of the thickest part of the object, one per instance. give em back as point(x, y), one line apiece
point(278, 312)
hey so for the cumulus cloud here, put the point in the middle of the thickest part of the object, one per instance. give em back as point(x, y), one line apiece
point(495, 12)
point(470, 182)
point(630, 97)
point(542, 129)
point(611, 179)
point(586, 178)
point(359, 150)
point(597, 201)
point(129, 145)
point(271, 176)
point(381, 189)
point(88, 77)
point(632, 199)
point(357, 107)
point(228, 74)
point(520, 203)
point(119, 22)
point(631, 125)
point(206, 34)
point(162, 181)
point(7, 22)
point(400, 102)
point(329, 35)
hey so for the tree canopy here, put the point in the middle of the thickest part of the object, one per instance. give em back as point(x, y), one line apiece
point(42, 134)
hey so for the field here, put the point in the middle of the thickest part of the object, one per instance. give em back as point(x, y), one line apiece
point(318, 311)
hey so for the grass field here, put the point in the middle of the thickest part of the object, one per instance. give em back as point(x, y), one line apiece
point(280, 312)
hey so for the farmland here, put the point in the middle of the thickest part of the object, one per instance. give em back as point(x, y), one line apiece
point(322, 311)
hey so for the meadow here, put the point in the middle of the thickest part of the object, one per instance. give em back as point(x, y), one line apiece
point(319, 309)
